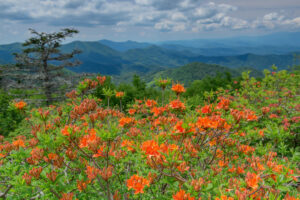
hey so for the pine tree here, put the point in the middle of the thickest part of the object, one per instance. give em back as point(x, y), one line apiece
point(42, 63)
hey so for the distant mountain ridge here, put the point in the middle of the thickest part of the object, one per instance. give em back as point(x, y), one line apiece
point(290, 39)
point(125, 46)
point(276, 43)
point(141, 58)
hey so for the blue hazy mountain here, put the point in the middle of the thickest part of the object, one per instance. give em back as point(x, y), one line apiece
point(288, 39)
point(116, 58)
point(124, 46)
point(276, 43)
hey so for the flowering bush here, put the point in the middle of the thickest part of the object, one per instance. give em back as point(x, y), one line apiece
point(11, 114)
point(242, 146)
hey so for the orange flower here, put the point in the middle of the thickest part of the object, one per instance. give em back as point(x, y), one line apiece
point(252, 180)
point(150, 148)
point(181, 195)
point(131, 111)
point(224, 197)
point(128, 144)
point(91, 141)
point(52, 176)
point(178, 89)
point(177, 104)
point(125, 121)
point(19, 143)
point(71, 154)
point(67, 196)
point(27, 178)
point(52, 156)
point(101, 79)
point(288, 197)
point(65, 131)
point(35, 172)
point(20, 105)
point(183, 167)
point(206, 109)
point(223, 104)
point(37, 153)
point(100, 152)
point(240, 170)
point(137, 183)
point(120, 94)
point(106, 172)
point(150, 103)
point(81, 185)
point(197, 184)
point(91, 172)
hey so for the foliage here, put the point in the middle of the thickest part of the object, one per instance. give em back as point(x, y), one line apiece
point(136, 90)
point(239, 145)
point(10, 116)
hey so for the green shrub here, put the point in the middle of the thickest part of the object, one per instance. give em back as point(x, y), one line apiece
point(10, 117)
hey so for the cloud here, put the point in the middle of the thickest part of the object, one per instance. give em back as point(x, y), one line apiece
point(275, 20)
point(119, 15)
point(214, 16)
point(74, 4)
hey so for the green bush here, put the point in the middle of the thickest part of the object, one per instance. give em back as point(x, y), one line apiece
point(10, 117)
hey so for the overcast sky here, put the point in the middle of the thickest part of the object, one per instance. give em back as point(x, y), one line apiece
point(148, 20)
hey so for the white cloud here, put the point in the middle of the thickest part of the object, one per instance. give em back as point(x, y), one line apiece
point(119, 15)
point(275, 20)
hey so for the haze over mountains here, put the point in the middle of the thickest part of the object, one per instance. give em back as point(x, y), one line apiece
point(123, 58)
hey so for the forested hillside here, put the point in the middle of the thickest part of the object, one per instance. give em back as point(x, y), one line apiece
point(196, 71)
point(98, 58)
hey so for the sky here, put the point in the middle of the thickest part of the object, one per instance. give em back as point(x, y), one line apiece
point(147, 20)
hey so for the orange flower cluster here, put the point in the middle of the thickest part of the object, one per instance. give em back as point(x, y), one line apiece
point(181, 195)
point(224, 197)
point(52, 176)
point(69, 129)
point(129, 144)
point(91, 172)
point(150, 148)
point(27, 178)
point(252, 180)
point(185, 153)
point(126, 121)
point(156, 155)
point(150, 103)
point(178, 89)
point(86, 106)
point(106, 172)
point(81, 185)
point(120, 94)
point(19, 143)
point(35, 172)
point(206, 109)
point(223, 104)
point(91, 140)
point(177, 105)
point(20, 105)
point(213, 122)
point(67, 196)
point(101, 79)
point(137, 183)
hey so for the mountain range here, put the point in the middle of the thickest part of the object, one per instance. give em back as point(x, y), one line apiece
point(124, 58)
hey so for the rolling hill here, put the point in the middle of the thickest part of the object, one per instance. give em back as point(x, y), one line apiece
point(99, 58)
point(195, 71)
